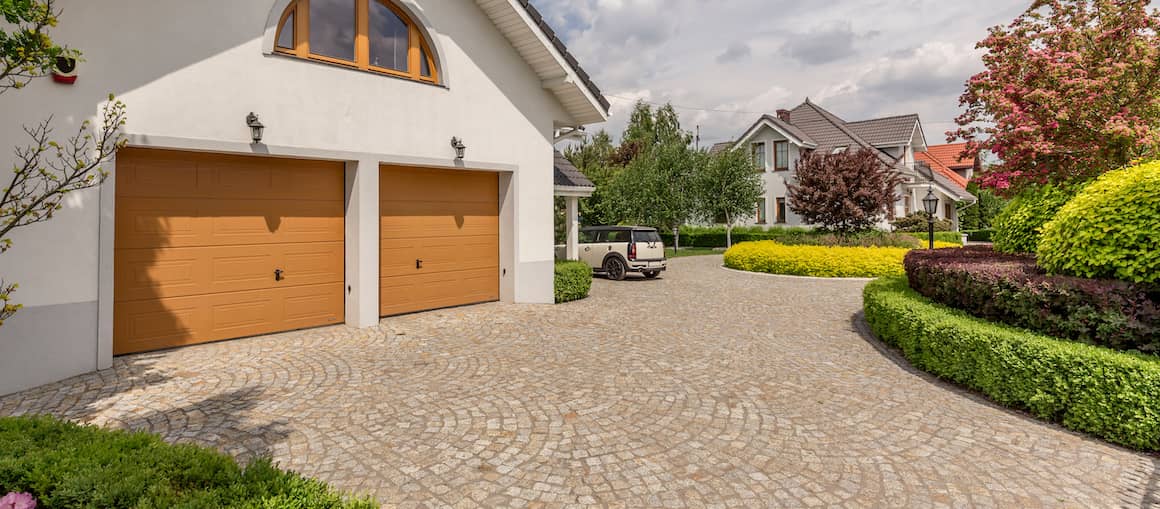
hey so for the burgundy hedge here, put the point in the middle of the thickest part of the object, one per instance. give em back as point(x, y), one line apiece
point(1011, 289)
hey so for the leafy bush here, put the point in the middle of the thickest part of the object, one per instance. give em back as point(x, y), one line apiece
point(1111, 229)
point(1111, 394)
point(1012, 290)
point(66, 465)
point(1018, 227)
point(917, 223)
point(955, 238)
point(573, 281)
point(715, 237)
point(817, 261)
point(980, 235)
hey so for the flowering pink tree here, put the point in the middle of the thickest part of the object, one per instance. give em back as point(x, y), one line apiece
point(1071, 90)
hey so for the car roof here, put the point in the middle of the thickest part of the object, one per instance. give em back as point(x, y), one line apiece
point(618, 229)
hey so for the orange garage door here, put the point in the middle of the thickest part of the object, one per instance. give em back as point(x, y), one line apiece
point(439, 239)
point(211, 247)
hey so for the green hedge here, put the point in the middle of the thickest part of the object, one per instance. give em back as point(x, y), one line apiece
point(947, 237)
point(793, 236)
point(1018, 227)
point(573, 281)
point(980, 235)
point(1110, 230)
point(66, 465)
point(1086, 388)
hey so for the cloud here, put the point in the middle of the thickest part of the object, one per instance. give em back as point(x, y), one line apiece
point(735, 52)
point(723, 64)
point(824, 44)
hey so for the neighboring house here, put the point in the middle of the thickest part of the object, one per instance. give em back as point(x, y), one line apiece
point(354, 205)
point(951, 157)
point(778, 141)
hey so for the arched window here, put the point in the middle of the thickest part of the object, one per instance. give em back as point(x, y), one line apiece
point(372, 35)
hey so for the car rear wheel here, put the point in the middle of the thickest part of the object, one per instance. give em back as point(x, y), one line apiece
point(652, 274)
point(615, 269)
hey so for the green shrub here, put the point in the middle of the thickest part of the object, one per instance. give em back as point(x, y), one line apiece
point(1111, 394)
point(573, 281)
point(817, 261)
point(980, 235)
point(1109, 230)
point(715, 237)
point(1018, 227)
point(66, 465)
point(955, 238)
point(917, 223)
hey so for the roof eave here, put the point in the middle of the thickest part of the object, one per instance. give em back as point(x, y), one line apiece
point(557, 69)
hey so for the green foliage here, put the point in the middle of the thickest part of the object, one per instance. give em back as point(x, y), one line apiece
point(66, 465)
point(980, 235)
point(917, 223)
point(945, 237)
point(26, 50)
point(1110, 394)
point(1109, 230)
point(715, 237)
point(1018, 227)
point(729, 186)
point(593, 157)
point(982, 214)
point(817, 261)
point(573, 281)
point(657, 188)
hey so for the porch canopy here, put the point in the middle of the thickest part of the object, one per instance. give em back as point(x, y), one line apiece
point(572, 185)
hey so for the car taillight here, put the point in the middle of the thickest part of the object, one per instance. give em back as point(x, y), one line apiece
point(632, 251)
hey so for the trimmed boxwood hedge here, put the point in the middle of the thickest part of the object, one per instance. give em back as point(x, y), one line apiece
point(714, 237)
point(573, 281)
point(1114, 395)
point(1011, 289)
point(980, 235)
point(67, 465)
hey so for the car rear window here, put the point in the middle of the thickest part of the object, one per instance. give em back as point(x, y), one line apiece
point(618, 236)
point(647, 236)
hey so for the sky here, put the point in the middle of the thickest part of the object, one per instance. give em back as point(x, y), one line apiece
point(723, 63)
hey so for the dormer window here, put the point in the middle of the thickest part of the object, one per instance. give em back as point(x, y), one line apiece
point(371, 35)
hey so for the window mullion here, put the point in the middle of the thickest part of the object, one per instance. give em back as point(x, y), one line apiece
point(413, 52)
point(362, 52)
point(302, 28)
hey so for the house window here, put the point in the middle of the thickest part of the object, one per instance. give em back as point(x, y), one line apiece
point(759, 156)
point(372, 35)
point(781, 211)
point(906, 205)
point(781, 156)
point(948, 211)
point(761, 216)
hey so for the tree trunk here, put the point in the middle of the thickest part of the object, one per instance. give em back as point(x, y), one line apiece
point(728, 233)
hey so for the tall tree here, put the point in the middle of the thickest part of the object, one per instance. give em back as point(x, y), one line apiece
point(844, 192)
point(1071, 90)
point(728, 185)
point(983, 213)
point(594, 158)
point(45, 170)
point(656, 189)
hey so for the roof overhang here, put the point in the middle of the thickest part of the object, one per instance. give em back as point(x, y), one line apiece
point(766, 122)
point(545, 53)
point(579, 192)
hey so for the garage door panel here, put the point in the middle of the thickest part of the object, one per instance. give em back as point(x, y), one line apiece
point(450, 221)
point(198, 240)
point(175, 174)
point(147, 223)
point(439, 255)
point(426, 185)
point(408, 294)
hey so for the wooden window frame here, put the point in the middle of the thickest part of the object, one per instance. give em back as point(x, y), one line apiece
point(762, 216)
point(418, 44)
point(782, 211)
point(776, 163)
point(764, 155)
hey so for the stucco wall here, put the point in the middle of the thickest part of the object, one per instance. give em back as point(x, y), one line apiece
point(191, 71)
point(775, 181)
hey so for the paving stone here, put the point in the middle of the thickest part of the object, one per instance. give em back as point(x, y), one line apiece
point(705, 388)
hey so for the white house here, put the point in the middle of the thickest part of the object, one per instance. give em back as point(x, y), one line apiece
point(354, 204)
point(777, 142)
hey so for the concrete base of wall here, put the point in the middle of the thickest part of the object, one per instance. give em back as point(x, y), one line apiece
point(44, 344)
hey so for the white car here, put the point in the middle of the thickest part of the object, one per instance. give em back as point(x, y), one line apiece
point(615, 251)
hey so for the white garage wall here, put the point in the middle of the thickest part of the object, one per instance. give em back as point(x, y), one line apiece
point(191, 71)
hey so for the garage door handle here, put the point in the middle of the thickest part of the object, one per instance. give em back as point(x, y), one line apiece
point(278, 275)
point(418, 264)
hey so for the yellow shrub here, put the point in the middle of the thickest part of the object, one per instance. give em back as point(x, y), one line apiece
point(819, 261)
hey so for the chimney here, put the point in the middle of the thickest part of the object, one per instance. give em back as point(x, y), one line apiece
point(783, 115)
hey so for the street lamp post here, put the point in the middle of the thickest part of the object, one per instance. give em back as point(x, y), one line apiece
point(930, 203)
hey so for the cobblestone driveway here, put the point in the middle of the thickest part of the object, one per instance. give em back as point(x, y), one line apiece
point(707, 388)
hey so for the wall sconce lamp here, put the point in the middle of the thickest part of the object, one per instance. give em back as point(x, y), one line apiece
point(460, 148)
point(256, 127)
